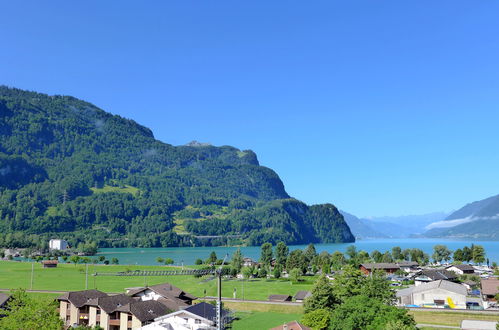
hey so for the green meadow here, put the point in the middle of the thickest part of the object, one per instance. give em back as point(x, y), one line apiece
point(70, 277)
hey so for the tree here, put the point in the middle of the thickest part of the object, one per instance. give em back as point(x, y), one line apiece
point(294, 274)
point(317, 319)
point(115, 261)
point(397, 253)
point(387, 257)
point(102, 258)
point(74, 259)
point(310, 253)
point(337, 260)
point(262, 273)
point(160, 260)
point(26, 313)
point(248, 271)
point(441, 253)
point(458, 255)
point(281, 253)
point(237, 261)
point(169, 261)
point(362, 312)
point(212, 259)
point(322, 296)
point(478, 254)
point(266, 254)
point(467, 254)
point(376, 286)
point(277, 271)
point(351, 252)
point(296, 259)
point(376, 256)
point(199, 261)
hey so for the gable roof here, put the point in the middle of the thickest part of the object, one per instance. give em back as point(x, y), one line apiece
point(112, 303)
point(300, 295)
point(439, 274)
point(147, 310)
point(462, 267)
point(407, 264)
point(80, 298)
point(441, 284)
point(380, 265)
point(490, 286)
point(165, 290)
point(282, 297)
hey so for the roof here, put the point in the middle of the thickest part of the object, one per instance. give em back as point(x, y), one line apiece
point(80, 298)
point(112, 303)
point(147, 310)
point(282, 297)
point(173, 304)
point(293, 325)
point(50, 262)
point(439, 274)
point(381, 265)
point(441, 284)
point(462, 267)
point(205, 310)
point(407, 264)
point(3, 299)
point(490, 286)
point(300, 295)
point(473, 324)
point(165, 290)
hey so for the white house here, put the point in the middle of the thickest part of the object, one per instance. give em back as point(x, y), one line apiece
point(58, 244)
point(461, 269)
point(196, 317)
point(434, 294)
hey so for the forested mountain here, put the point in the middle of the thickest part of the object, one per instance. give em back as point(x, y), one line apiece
point(361, 228)
point(477, 220)
point(68, 169)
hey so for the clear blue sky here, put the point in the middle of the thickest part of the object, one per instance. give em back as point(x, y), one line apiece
point(380, 107)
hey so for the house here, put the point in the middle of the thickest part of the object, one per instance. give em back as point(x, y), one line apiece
point(408, 266)
point(478, 325)
point(58, 244)
point(430, 275)
point(49, 263)
point(300, 296)
point(461, 269)
point(279, 297)
point(293, 325)
point(169, 295)
point(195, 317)
point(386, 267)
point(4, 299)
point(490, 287)
point(111, 312)
point(248, 262)
point(434, 294)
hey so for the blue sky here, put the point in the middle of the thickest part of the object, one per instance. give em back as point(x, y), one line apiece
point(380, 107)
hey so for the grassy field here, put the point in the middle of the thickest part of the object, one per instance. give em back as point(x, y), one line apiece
point(68, 277)
point(449, 318)
point(262, 320)
point(126, 189)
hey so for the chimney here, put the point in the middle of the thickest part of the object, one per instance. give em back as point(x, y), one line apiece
point(285, 327)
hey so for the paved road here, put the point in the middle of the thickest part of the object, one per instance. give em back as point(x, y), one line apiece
point(421, 325)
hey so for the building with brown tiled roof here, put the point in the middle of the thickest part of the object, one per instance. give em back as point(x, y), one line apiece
point(490, 287)
point(293, 325)
point(171, 296)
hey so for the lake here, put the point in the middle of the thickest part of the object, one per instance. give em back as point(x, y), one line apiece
point(188, 255)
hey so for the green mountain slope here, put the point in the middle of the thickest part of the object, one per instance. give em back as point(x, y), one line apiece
point(69, 169)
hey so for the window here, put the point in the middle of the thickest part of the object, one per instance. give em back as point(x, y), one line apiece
point(439, 302)
point(186, 319)
point(198, 321)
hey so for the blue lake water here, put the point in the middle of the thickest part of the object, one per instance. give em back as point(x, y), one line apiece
point(188, 255)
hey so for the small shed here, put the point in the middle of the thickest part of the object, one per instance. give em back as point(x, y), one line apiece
point(49, 263)
point(478, 325)
point(279, 297)
point(300, 296)
point(368, 268)
point(3, 299)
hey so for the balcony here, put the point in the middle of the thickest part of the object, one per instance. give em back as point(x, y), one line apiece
point(114, 322)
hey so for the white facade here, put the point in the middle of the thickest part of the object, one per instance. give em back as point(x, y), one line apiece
point(181, 320)
point(58, 244)
point(147, 294)
point(434, 294)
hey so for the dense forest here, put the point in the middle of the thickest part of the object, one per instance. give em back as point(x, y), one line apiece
point(69, 169)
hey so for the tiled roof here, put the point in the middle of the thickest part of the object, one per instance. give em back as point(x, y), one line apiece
point(112, 303)
point(439, 274)
point(81, 298)
point(3, 298)
point(463, 267)
point(300, 295)
point(490, 286)
point(441, 284)
point(282, 297)
point(148, 310)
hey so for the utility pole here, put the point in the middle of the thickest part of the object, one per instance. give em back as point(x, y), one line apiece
point(86, 276)
point(32, 273)
point(219, 301)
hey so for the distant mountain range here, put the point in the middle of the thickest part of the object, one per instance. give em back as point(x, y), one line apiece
point(391, 227)
point(477, 220)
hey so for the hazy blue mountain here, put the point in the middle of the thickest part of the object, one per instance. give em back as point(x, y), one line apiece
point(477, 220)
point(393, 227)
